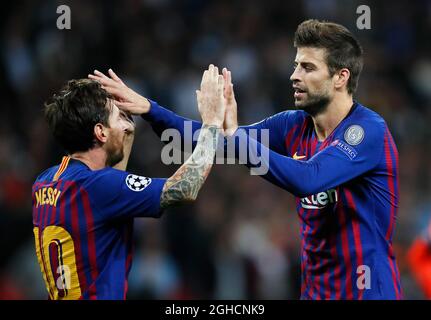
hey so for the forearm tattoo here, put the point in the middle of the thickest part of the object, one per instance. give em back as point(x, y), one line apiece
point(185, 184)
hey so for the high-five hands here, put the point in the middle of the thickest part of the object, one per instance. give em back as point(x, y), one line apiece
point(231, 117)
point(210, 98)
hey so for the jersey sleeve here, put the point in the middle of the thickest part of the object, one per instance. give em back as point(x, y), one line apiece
point(336, 164)
point(161, 118)
point(270, 131)
point(119, 194)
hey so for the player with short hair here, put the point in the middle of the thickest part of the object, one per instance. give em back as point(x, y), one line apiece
point(84, 208)
point(335, 155)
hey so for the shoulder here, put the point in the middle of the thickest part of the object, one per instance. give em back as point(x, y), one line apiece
point(47, 175)
point(104, 186)
point(363, 124)
point(296, 116)
point(367, 116)
point(106, 178)
point(289, 117)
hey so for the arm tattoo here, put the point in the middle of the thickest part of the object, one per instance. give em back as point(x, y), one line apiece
point(185, 184)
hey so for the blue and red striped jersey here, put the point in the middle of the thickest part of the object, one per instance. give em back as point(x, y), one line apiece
point(346, 190)
point(83, 223)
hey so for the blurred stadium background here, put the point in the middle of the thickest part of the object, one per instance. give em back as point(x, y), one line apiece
point(241, 239)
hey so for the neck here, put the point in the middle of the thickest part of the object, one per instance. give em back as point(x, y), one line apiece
point(94, 158)
point(336, 111)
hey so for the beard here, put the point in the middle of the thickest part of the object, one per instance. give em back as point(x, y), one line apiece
point(114, 158)
point(314, 104)
point(114, 154)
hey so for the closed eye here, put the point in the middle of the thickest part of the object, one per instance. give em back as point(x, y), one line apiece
point(123, 115)
point(307, 66)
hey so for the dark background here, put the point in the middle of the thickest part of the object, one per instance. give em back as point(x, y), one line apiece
point(240, 239)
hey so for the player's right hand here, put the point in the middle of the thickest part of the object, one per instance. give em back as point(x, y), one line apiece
point(211, 103)
point(125, 98)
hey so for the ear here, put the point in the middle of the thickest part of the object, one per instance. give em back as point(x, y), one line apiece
point(341, 78)
point(101, 133)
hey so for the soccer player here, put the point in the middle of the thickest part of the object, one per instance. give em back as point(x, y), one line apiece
point(84, 208)
point(419, 258)
point(336, 156)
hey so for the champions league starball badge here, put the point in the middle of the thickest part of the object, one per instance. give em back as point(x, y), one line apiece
point(137, 183)
point(354, 135)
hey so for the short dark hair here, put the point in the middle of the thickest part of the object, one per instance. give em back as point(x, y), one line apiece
point(343, 49)
point(73, 112)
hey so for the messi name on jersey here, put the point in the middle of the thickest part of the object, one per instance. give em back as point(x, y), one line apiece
point(47, 195)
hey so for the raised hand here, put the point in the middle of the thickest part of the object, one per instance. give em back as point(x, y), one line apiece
point(184, 185)
point(210, 98)
point(231, 116)
point(125, 98)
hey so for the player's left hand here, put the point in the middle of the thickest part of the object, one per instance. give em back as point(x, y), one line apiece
point(125, 98)
point(230, 124)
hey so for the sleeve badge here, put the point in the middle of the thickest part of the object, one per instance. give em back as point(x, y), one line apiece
point(137, 183)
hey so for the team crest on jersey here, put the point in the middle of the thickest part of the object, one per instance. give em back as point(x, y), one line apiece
point(354, 135)
point(137, 183)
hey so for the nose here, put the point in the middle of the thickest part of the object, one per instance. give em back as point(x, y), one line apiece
point(127, 128)
point(295, 75)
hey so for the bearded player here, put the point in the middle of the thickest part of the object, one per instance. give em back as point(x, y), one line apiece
point(336, 156)
point(84, 208)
